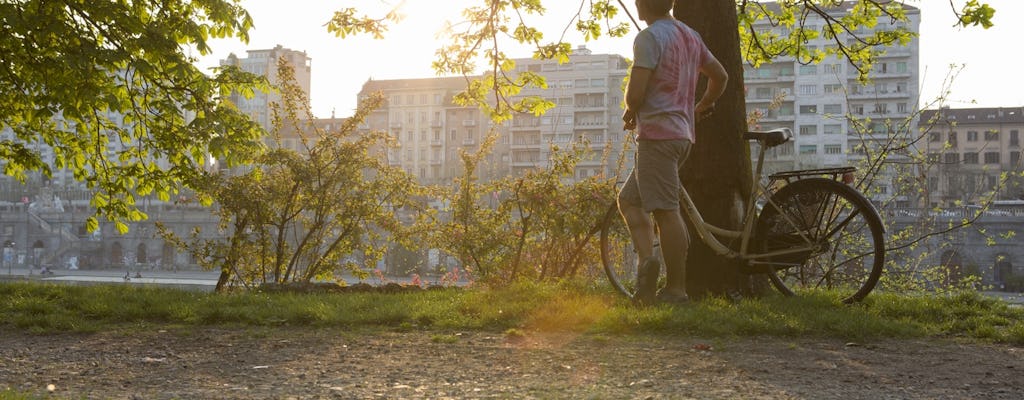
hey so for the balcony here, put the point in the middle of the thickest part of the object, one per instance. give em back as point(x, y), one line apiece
point(592, 124)
point(469, 122)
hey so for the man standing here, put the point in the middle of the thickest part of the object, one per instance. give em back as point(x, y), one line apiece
point(668, 57)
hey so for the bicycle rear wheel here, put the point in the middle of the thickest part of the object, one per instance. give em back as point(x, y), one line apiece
point(617, 255)
point(844, 230)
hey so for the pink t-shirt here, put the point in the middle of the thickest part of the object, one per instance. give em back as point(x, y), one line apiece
point(675, 53)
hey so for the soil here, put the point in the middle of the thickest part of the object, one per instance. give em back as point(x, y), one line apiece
point(313, 363)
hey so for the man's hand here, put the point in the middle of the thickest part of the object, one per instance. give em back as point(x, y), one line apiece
point(704, 110)
point(629, 120)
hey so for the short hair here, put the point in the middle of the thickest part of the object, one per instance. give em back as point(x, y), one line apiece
point(659, 7)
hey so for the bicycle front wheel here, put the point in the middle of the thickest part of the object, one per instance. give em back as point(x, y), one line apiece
point(617, 255)
point(839, 229)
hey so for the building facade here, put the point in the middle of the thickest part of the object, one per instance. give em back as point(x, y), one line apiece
point(432, 131)
point(971, 153)
point(264, 63)
point(835, 118)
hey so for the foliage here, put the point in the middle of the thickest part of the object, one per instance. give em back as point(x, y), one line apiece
point(895, 149)
point(112, 89)
point(537, 226)
point(306, 213)
point(522, 307)
point(480, 36)
point(776, 29)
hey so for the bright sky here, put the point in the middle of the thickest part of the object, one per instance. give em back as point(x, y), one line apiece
point(992, 57)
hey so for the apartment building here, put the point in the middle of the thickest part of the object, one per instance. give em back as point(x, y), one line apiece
point(432, 131)
point(833, 116)
point(969, 150)
point(264, 63)
point(587, 93)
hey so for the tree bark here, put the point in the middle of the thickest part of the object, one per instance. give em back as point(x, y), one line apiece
point(718, 172)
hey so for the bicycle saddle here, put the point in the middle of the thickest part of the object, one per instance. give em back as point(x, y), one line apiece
point(770, 138)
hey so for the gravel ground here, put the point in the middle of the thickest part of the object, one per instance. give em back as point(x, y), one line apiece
point(335, 364)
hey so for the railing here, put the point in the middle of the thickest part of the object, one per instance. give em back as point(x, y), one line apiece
point(961, 212)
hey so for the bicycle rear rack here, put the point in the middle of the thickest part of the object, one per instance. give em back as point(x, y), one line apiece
point(843, 174)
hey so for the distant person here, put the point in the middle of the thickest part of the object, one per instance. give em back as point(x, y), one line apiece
point(668, 57)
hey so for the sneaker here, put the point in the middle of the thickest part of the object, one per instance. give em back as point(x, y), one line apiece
point(666, 297)
point(647, 281)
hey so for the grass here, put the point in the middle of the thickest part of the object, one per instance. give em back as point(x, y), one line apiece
point(46, 308)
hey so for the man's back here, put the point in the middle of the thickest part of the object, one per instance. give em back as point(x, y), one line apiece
point(675, 53)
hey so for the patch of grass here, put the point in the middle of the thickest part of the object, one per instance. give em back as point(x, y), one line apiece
point(47, 308)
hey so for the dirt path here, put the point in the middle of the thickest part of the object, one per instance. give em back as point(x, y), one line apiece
point(333, 364)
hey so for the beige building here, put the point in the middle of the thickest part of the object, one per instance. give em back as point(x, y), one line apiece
point(969, 149)
point(432, 131)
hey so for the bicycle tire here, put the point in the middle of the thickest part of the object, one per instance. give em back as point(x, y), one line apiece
point(848, 234)
point(617, 256)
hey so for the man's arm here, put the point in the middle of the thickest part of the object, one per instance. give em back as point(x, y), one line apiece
point(717, 78)
point(636, 92)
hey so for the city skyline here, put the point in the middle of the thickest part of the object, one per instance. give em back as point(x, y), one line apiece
point(412, 42)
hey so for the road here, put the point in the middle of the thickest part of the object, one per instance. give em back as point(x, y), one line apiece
point(192, 279)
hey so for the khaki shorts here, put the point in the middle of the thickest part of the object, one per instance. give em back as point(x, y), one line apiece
point(654, 182)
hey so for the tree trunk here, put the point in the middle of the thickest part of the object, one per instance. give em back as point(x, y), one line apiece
point(718, 173)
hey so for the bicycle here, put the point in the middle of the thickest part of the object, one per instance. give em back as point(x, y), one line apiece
point(814, 231)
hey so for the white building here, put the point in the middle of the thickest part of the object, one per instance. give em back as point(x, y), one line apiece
point(264, 63)
point(431, 130)
point(824, 103)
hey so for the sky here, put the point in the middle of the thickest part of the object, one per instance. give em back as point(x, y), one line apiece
point(991, 59)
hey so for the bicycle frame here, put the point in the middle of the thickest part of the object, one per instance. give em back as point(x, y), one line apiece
point(709, 233)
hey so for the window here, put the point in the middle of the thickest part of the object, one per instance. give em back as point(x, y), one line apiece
point(786, 109)
point(809, 109)
point(763, 93)
point(582, 83)
point(901, 108)
point(831, 89)
point(901, 67)
point(991, 136)
point(933, 183)
point(952, 139)
point(833, 129)
point(881, 108)
point(1014, 138)
point(808, 89)
point(858, 109)
point(1014, 159)
point(834, 109)
point(833, 149)
point(597, 83)
point(970, 158)
point(786, 70)
point(808, 70)
point(933, 157)
point(972, 136)
point(901, 87)
point(808, 129)
point(833, 68)
point(951, 158)
point(808, 149)
point(992, 157)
